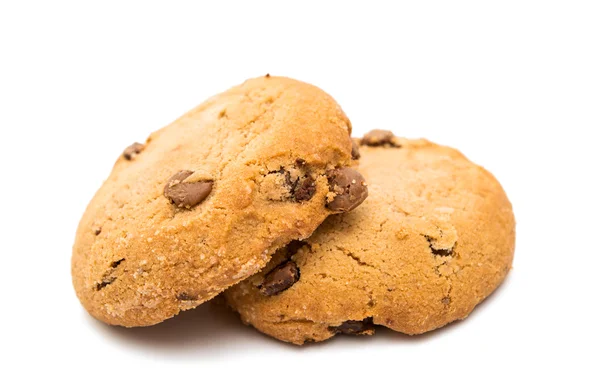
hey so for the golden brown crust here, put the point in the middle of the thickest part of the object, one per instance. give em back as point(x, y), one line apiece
point(435, 237)
point(144, 251)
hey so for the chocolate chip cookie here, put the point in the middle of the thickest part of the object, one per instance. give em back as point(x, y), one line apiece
point(207, 200)
point(435, 237)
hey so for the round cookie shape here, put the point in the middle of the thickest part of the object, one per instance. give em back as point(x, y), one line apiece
point(433, 239)
point(208, 199)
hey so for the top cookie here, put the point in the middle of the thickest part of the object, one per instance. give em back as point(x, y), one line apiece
point(434, 238)
point(205, 202)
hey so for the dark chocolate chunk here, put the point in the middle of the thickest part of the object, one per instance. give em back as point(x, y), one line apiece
point(301, 188)
point(305, 189)
point(280, 278)
point(353, 327)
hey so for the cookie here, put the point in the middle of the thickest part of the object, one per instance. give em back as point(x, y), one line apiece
point(205, 201)
point(435, 237)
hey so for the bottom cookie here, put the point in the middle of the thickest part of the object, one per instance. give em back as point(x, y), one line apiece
point(435, 237)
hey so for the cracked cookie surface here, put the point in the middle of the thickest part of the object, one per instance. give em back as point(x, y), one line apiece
point(207, 200)
point(433, 239)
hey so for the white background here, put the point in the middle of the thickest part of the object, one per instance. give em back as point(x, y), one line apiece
point(515, 85)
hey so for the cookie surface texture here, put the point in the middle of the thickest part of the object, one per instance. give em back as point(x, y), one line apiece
point(433, 239)
point(207, 200)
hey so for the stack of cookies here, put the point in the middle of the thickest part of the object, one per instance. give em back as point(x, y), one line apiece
point(261, 195)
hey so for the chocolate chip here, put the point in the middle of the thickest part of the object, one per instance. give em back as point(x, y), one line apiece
point(186, 194)
point(300, 162)
point(378, 138)
point(97, 230)
point(280, 278)
point(349, 188)
point(300, 188)
point(355, 151)
point(291, 183)
point(131, 151)
point(353, 327)
point(185, 296)
point(305, 189)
